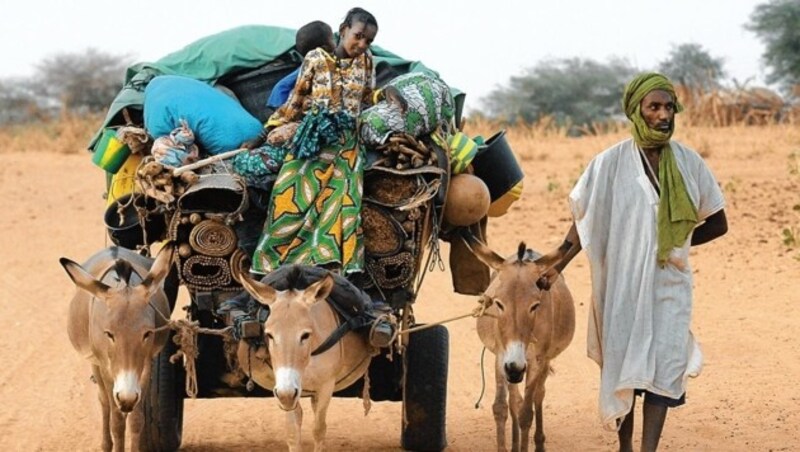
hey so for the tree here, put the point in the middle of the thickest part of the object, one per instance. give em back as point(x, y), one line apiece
point(18, 102)
point(82, 81)
point(777, 24)
point(573, 91)
point(692, 66)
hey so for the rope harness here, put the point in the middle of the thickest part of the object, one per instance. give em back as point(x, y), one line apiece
point(186, 332)
point(479, 311)
point(185, 338)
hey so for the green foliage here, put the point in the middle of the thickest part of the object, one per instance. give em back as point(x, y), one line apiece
point(732, 186)
point(575, 92)
point(692, 66)
point(791, 237)
point(777, 24)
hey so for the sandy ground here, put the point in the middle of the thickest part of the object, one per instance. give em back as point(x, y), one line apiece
point(746, 317)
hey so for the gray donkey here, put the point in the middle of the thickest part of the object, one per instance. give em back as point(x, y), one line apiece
point(115, 321)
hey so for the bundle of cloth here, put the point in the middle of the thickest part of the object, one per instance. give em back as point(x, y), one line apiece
point(430, 105)
point(185, 112)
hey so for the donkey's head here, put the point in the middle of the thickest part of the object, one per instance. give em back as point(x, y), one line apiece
point(124, 323)
point(290, 332)
point(517, 300)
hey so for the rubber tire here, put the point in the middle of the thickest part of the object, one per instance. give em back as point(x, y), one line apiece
point(163, 408)
point(425, 402)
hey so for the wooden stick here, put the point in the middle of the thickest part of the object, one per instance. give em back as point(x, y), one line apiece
point(207, 161)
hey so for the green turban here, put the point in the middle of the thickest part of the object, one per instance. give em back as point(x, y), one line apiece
point(677, 215)
point(635, 91)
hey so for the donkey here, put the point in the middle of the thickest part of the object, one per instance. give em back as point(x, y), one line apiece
point(299, 321)
point(115, 321)
point(525, 328)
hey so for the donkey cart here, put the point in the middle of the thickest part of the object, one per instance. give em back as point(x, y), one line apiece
point(214, 218)
point(204, 223)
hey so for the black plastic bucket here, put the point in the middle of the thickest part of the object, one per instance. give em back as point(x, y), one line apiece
point(497, 166)
point(125, 230)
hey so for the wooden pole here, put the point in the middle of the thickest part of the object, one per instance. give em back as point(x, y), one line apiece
point(206, 161)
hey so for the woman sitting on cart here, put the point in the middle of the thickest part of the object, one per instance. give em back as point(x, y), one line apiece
point(314, 213)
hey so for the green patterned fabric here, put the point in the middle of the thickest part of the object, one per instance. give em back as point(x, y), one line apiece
point(314, 214)
point(320, 129)
point(429, 105)
point(259, 161)
point(677, 214)
point(463, 150)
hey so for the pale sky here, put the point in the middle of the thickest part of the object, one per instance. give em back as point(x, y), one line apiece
point(475, 45)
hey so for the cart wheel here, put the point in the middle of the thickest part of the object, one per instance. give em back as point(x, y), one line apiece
point(425, 401)
point(163, 407)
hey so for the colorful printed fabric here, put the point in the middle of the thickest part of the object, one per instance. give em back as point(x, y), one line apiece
point(328, 82)
point(177, 148)
point(462, 150)
point(430, 104)
point(320, 129)
point(259, 162)
point(314, 213)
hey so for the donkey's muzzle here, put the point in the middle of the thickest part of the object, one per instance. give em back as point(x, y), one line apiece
point(514, 374)
point(287, 398)
point(126, 400)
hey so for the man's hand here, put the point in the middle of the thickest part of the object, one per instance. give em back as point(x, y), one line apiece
point(547, 279)
point(550, 262)
point(555, 261)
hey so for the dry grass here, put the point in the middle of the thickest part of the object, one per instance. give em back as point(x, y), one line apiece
point(730, 107)
point(69, 134)
point(532, 142)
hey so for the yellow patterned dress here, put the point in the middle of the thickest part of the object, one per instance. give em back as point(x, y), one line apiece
point(314, 214)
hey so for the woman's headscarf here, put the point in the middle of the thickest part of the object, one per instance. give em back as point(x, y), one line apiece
point(635, 91)
point(677, 215)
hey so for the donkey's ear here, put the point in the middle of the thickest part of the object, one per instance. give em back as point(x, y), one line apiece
point(319, 290)
point(263, 293)
point(83, 279)
point(481, 250)
point(160, 269)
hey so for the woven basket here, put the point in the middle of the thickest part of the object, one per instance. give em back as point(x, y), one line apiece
point(383, 235)
point(213, 238)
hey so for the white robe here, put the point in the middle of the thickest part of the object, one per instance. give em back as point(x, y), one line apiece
point(639, 324)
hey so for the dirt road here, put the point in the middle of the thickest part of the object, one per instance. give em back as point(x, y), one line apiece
point(746, 316)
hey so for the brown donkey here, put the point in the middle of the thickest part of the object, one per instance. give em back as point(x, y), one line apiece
point(299, 321)
point(112, 321)
point(525, 328)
